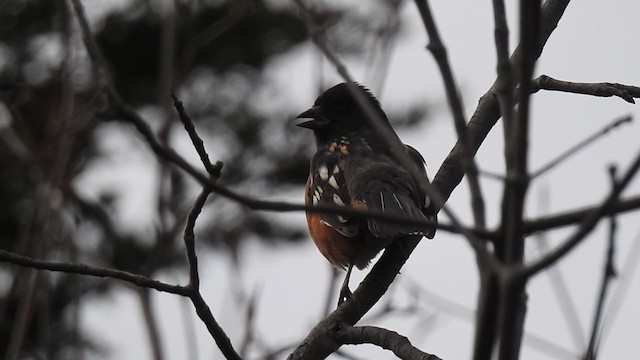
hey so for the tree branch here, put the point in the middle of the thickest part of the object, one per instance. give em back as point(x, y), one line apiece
point(625, 92)
point(82, 269)
point(574, 149)
point(198, 144)
point(386, 339)
point(608, 274)
point(573, 217)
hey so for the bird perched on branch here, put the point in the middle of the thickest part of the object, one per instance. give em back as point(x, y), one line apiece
point(354, 168)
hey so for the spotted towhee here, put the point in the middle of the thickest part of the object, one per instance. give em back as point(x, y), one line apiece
point(353, 167)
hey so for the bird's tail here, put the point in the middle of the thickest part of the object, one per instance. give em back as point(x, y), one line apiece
point(400, 205)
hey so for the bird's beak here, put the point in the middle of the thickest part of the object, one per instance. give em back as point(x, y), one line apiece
point(310, 114)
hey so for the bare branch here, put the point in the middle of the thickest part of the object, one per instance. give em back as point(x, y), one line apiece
point(608, 274)
point(439, 52)
point(198, 144)
point(588, 223)
point(577, 147)
point(151, 323)
point(622, 287)
point(573, 217)
point(558, 282)
point(504, 83)
point(139, 280)
point(625, 92)
point(386, 339)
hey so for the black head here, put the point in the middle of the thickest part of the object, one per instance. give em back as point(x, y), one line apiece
point(336, 113)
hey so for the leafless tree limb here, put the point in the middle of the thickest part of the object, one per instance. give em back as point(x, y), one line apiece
point(151, 323)
point(386, 339)
point(572, 217)
point(558, 281)
point(622, 286)
point(82, 269)
point(608, 274)
point(439, 53)
point(198, 144)
point(625, 92)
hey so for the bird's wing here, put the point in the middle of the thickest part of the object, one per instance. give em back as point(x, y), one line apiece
point(380, 184)
point(328, 188)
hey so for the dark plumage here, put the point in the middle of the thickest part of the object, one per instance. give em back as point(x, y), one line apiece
point(353, 167)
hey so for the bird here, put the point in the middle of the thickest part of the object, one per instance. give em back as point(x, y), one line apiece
point(352, 167)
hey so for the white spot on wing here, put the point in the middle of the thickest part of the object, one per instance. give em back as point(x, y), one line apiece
point(336, 169)
point(333, 182)
point(342, 219)
point(324, 172)
point(338, 200)
point(427, 201)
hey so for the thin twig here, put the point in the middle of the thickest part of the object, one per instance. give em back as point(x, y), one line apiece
point(582, 144)
point(558, 282)
point(439, 53)
point(504, 83)
point(605, 89)
point(607, 276)
point(619, 295)
point(151, 324)
point(386, 339)
point(198, 144)
point(588, 223)
point(139, 280)
point(572, 217)
point(200, 305)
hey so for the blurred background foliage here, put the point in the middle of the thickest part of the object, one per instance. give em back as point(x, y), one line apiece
point(213, 54)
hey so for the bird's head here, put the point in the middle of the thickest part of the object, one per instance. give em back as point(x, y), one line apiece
point(336, 113)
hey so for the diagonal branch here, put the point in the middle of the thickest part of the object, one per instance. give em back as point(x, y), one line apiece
point(198, 144)
point(607, 275)
point(577, 147)
point(439, 53)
